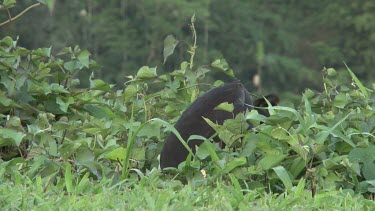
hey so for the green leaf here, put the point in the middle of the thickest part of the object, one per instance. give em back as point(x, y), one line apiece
point(232, 130)
point(250, 145)
point(44, 52)
point(279, 133)
point(222, 65)
point(309, 93)
point(307, 105)
point(98, 84)
point(10, 137)
point(367, 158)
point(212, 124)
point(236, 185)
point(150, 130)
point(138, 154)
point(146, 73)
point(207, 149)
point(64, 105)
point(323, 135)
point(294, 142)
point(170, 44)
point(37, 165)
point(201, 71)
point(85, 157)
point(117, 154)
point(7, 42)
point(295, 112)
point(225, 107)
point(175, 132)
point(6, 101)
point(9, 84)
point(72, 66)
point(283, 176)
point(358, 82)
point(100, 111)
point(68, 148)
point(83, 57)
point(341, 100)
point(253, 115)
point(301, 187)
point(129, 92)
point(14, 121)
point(9, 3)
point(52, 147)
point(269, 107)
point(234, 164)
point(202, 152)
point(23, 51)
point(84, 183)
point(228, 137)
point(269, 161)
point(65, 51)
point(68, 178)
point(56, 88)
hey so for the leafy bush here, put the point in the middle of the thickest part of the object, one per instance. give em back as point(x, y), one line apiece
point(46, 119)
point(55, 131)
point(328, 140)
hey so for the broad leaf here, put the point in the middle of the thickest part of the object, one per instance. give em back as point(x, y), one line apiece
point(225, 107)
point(146, 73)
point(367, 158)
point(83, 57)
point(222, 65)
point(170, 44)
point(284, 176)
point(10, 137)
point(269, 161)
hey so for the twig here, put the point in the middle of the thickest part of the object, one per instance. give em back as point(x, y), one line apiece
point(19, 15)
point(9, 15)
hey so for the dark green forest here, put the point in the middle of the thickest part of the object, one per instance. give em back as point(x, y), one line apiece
point(287, 43)
point(93, 92)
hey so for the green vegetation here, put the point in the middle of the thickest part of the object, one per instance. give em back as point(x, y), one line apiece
point(30, 195)
point(67, 145)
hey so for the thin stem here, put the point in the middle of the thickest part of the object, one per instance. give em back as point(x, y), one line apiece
point(19, 15)
point(9, 15)
point(193, 48)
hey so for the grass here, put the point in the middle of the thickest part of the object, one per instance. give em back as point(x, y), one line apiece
point(167, 195)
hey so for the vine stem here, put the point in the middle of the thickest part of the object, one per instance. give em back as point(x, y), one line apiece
point(193, 48)
point(19, 15)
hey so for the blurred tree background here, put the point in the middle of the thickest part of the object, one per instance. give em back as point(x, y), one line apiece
point(288, 42)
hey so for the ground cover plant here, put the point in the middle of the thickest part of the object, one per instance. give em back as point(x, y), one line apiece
point(96, 147)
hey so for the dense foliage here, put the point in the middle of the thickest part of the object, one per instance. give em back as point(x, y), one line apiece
point(59, 137)
point(47, 120)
